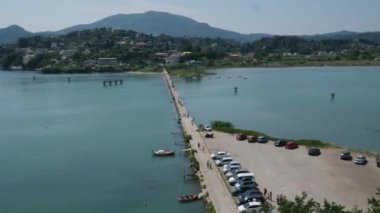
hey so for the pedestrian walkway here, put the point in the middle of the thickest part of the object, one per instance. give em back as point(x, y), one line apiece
point(215, 186)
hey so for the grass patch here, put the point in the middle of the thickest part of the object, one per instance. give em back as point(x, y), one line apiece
point(228, 127)
point(315, 143)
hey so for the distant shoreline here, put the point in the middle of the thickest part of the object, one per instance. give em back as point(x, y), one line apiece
point(191, 71)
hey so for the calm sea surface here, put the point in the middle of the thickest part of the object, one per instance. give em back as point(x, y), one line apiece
point(293, 102)
point(82, 148)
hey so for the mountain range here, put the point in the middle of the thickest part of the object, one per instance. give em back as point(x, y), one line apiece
point(157, 23)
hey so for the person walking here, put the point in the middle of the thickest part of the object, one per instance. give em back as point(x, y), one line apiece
point(270, 195)
point(265, 192)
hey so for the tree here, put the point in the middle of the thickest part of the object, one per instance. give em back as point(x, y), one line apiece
point(374, 203)
point(300, 205)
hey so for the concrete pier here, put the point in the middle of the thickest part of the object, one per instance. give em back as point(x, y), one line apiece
point(218, 192)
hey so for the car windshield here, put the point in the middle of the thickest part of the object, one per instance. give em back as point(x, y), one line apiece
point(246, 205)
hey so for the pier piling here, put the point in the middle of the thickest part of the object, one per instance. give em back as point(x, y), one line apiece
point(113, 82)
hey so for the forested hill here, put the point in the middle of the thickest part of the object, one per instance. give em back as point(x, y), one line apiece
point(157, 23)
point(12, 33)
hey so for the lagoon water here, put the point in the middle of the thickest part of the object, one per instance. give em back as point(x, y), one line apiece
point(293, 102)
point(80, 147)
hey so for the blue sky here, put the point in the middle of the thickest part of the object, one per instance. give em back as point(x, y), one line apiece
point(245, 16)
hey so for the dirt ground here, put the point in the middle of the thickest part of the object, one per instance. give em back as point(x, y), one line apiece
point(290, 172)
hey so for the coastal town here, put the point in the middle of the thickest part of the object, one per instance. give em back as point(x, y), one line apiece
point(116, 50)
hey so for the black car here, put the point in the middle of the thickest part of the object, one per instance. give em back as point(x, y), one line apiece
point(314, 151)
point(249, 198)
point(345, 155)
point(262, 139)
point(249, 192)
point(249, 183)
point(378, 161)
point(280, 142)
point(242, 189)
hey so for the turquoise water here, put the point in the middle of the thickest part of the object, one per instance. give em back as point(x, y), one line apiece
point(80, 147)
point(293, 102)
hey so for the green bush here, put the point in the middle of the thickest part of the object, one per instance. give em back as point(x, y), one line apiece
point(228, 127)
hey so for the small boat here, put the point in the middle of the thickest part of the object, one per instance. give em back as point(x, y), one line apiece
point(162, 152)
point(188, 198)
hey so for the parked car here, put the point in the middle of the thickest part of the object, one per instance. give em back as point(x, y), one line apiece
point(378, 161)
point(241, 136)
point(235, 172)
point(291, 145)
point(249, 206)
point(262, 139)
point(257, 196)
point(251, 138)
point(249, 193)
point(219, 155)
point(360, 160)
point(345, 155)
point(223, 161)
point(232, 163)
point(231, 167)
point(242, 189)
point(241, 177)
point(248, 183)
point(314, 151)
point(207, 128)
point(280, 142)
point(209, 135)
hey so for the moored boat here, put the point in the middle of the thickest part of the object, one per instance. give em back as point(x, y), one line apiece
point(163, 152)
point(188, 198)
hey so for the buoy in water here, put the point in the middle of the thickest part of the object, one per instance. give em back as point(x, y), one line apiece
point(332, 95)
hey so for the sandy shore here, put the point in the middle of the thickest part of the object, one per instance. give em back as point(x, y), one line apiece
point(292, 171)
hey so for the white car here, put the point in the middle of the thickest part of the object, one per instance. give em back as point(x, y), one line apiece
point(360, 160)
point(223, 161)
point(220, 155)
point(228, 165)
point(207, 128)
point(228, 169)
point(235, 172)
point(248, 207)
point(232, 163)
point(238, 177)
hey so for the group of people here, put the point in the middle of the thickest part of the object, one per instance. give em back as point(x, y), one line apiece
point(268, 195)
point(199, 147)
point(280, 197)
point(209, 165)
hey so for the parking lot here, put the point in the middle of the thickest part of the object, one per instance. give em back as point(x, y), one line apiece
point(290, 172)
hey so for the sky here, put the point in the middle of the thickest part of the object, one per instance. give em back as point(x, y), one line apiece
point(282, 17)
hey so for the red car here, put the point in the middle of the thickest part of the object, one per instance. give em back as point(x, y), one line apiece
point(291, 145)
point(241, 137)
